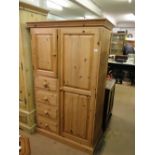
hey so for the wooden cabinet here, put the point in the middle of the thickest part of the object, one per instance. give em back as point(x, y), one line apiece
point(27, 13)
point(70, 65)
point(117, 43)
point(44, 55)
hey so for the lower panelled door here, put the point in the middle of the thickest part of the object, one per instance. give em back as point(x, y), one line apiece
point(76, 117)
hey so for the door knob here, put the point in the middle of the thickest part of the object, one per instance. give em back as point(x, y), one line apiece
point(45, 98)
point(45, 84)
point(46, 125)
point(46, 112)
point(54, 55)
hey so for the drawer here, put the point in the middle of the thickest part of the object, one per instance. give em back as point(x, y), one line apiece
point(46, 97)
point(46, 83)
point(47, 124)
point(47, 111)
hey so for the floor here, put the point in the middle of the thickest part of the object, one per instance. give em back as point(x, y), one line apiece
point(119, 138)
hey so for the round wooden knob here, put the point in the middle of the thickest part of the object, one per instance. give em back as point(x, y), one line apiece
point(46, 112)
point(54, 55)
point(45, 83)
point(46, 125)
point(71, 131)
point(45, 98)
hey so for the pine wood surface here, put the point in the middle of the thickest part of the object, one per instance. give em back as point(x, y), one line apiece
point(77, 78)
point(27, 13)
point(72, 23)
point(25, 145)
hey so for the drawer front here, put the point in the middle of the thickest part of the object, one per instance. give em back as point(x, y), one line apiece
point(47, 124)
point(46, 83)
point(46, 97)
point(47, 111)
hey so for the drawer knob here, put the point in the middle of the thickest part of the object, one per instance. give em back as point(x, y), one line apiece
point(54, 55)
point(45, 84)
point(71, 131)
point(46, 112)
point(46, 125)
point(45, 98)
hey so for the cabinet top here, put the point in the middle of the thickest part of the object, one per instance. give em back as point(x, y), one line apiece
point(72, 23)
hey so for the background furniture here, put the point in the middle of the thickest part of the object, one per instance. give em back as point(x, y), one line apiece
point(24, 145)
point(117, 43)
point(26, 98)
point(122, 71)
point(108, 101)
point(131, 42)
point(70, 67)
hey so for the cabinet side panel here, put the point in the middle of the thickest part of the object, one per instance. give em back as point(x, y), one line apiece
point(27, 16)
point(105, 45)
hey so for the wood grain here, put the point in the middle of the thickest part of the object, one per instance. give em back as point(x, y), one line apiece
point(47, 111)
point(46, 83)
point(78, 80)
point(80, 54)
point(47, 124)
point(46, 97)
point(27, 13)
point(102, 72)
point(44, 50)
point(73, 23)
point(75, 114)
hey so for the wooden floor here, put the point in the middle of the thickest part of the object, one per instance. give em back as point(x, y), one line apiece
point(119, 138)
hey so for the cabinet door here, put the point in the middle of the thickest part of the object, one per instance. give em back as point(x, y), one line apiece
point(44, 51)
point(76, 114)
point(78, 78)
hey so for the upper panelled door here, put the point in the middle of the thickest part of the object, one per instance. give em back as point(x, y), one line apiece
point(44, 51)
point(78, 78)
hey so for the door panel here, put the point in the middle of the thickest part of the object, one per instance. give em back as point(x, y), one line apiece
point(44, 51)
point(75, 114)
point(79, 57)
point(77, 60)
point(44, 60)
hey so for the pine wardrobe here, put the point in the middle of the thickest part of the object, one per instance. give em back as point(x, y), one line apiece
point(69, 69)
